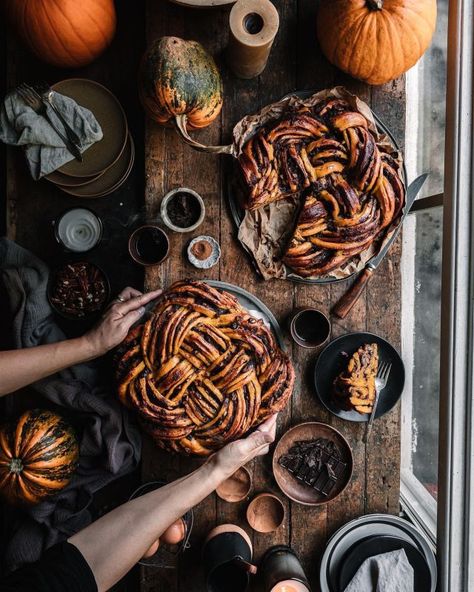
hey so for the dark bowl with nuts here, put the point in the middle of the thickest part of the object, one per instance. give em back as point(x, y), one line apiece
point(78, 290)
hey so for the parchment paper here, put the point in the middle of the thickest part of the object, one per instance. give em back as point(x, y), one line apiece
point(265, 232)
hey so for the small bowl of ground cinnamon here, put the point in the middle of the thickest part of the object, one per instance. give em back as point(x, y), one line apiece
point(182, 210)
point(204, 252)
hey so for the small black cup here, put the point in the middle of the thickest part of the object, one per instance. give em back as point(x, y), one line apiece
point(227, 555)
point(309, 327)
point(279, 564)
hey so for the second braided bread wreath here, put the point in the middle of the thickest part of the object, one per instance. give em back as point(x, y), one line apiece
point(325, 155)
point(202, 371)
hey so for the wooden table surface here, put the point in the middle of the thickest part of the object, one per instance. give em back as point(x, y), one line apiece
point(295, 63)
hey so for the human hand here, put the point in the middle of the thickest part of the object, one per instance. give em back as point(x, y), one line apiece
point(238, 453)
point(117, 320)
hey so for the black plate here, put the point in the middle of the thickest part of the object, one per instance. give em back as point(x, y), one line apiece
point(332, 361)
point(384, 544)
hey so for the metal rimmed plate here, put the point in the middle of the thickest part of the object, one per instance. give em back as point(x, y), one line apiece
point(367, 526)
point(237, 212)
point(333, 360)
point(254, 306)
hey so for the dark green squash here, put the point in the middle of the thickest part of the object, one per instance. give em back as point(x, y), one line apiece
point(180, 83)
point(38, 456)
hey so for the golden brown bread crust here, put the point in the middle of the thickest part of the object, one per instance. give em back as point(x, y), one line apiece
point(353, 188)
point(355, 387)
point(201, 371)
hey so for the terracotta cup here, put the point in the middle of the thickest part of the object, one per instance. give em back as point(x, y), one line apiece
point(227, 557)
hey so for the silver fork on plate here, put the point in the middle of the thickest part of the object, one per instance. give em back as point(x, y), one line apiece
point(33, 100)
point(46, 93)
point(383, 372)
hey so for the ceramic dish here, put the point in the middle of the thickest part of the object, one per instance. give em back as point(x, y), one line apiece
point(290, 485)
point(209, 261)
point(67, 181)
point(384, 544)
point(237, 487)
point(265, 513)
point(110, 180)
point(332, 361)
point(169, 197)
point(367, 526)
point(238, 212)
point(111, 117)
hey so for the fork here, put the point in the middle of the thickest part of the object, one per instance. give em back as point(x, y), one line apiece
point(33, 100)
point(383, 372)
point(46, 94)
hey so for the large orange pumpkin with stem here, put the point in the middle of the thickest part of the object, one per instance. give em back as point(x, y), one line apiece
point(375, 40)
point(38, 456)
point(180, 83)
point(65, 33)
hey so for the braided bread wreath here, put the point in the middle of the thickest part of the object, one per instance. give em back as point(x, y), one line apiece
point(339, 176)
point(201, 371)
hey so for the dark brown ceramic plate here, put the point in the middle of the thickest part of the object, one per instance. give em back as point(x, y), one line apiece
point(292, 487)
point(110, 180)
point(111, 117)
point(68, 181)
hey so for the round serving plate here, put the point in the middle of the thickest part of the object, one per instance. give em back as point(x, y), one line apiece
point(111, 117)
point(332, 362)
point(109, 180)
point(254, 306)
point(238, 213)
point(360, 529)
point(294, 488)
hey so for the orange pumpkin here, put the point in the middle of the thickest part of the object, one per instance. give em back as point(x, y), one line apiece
point(180, 83)
point(65, 33)
point(375, 40)
point(38, 456)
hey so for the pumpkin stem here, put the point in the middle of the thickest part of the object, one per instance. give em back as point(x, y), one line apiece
point(16, 466)
point(375, 4)
point(181, 127)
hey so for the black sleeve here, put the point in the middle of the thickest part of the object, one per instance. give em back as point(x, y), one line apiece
point(61, 569)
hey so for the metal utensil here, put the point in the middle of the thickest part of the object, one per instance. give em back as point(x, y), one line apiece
point(345, 304)
point(46, 93)
point(33, 100)
point(381, 379)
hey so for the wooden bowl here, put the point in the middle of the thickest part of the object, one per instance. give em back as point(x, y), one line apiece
point(237, 487)
point(292, 487)
point(265, 513)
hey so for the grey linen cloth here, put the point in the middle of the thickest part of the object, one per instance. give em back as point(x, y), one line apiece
point(44, 150)
point(388, 572)
point(110, 443)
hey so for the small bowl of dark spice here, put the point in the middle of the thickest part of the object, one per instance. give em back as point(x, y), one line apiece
point(204, 252)
point(78, 290)
point(148, 245)
point(182, 210)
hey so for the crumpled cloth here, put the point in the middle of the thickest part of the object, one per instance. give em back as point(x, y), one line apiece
point(110, 443)
point(44, 150)
point(388, 572)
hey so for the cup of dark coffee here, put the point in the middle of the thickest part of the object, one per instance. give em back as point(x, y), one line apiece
point(227, 557)
point(148, 245)
point(309, 327)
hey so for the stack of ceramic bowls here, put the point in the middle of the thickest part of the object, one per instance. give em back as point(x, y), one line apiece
point(107, 163)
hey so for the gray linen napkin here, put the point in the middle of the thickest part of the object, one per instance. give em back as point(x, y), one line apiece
point(110, 443)
point(388, 572)
point(44, 150)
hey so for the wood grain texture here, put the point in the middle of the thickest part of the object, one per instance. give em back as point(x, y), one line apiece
point(295, 63)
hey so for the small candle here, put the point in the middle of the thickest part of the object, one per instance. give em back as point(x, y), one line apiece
point(290, 586)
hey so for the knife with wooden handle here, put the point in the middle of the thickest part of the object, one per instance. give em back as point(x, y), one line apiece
point(342, 308)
